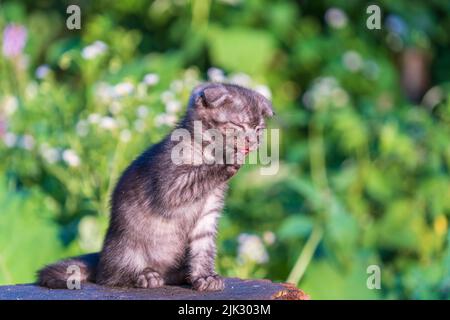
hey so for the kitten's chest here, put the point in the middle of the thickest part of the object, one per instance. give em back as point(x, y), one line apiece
point(211, 204)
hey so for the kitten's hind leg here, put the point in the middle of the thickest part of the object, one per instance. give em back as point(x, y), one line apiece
point(149, 279)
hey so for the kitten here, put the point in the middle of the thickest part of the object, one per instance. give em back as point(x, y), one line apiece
point(164, 216)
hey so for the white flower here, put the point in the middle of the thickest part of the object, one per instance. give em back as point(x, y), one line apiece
point(252, 249)
point(42, 71)
point(94, 118)
point(115, 107)
point(108, 123)
point(352, 61)
point(269, 237)
point(10, 139)
point(125, 135)
point(104, 91)
point(27, 142)
point(10, 104)
point(173, 106)
point(216, 75)
point(139, 125)
point(142, 111)
point(241, 79)
point(325, 91)
point(123, 89)
point(141, 91)
point(336, 18)
point(165, 119)
point(82, 128)
point(151, 79)
point(94, 50)
point(323, 86)
point(167, 96)
point(51, 155)
point(264, 90)
point(191, 76)
point(176, 86)
point(339, 97)
point(71, 158)
point(31, 90)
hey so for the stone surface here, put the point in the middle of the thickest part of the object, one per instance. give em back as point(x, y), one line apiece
point(235, 289)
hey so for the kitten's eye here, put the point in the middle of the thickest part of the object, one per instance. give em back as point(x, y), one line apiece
point(260, 129)
point(237, 126)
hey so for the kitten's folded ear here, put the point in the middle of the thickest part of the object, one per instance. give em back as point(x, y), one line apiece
point(214, 95)
point(266, 107)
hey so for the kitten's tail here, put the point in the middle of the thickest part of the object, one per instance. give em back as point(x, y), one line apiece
point(82, 268)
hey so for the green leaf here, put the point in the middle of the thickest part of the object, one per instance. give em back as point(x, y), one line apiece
point(241, 49)
point(324, 280)
point(28, 237)
point(295, 227)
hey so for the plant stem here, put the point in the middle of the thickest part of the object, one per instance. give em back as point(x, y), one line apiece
point(320, 182)
point(305, 256)
point(317, 155)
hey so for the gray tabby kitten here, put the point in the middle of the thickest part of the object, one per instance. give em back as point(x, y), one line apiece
point(164, 217)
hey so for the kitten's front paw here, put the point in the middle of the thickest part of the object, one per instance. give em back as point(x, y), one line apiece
point(149, 279)
point(208, 283)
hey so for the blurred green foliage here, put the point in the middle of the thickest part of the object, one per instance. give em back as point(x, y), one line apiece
point(364, 118)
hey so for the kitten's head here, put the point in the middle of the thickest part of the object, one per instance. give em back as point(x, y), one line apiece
point(232, 108)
